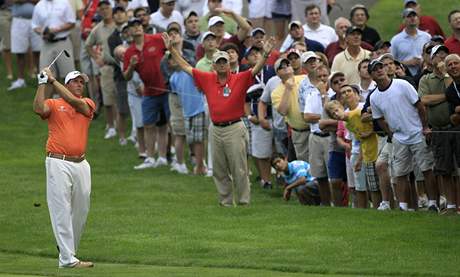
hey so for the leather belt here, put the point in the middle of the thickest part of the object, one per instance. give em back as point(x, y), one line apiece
point(56, 40)
point(301, 130)
point(74, 159)
point(226, 123)
point(323, 135)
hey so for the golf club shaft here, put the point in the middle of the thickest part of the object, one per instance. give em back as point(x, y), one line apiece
point(55, 59)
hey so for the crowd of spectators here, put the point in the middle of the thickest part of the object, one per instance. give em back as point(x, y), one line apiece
point(330, 110)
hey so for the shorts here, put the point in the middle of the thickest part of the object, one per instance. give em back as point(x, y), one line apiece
point(87, 64)
point(319, 155)
point(50, 50)
point(262, 142)
point(358, 176)
point(135, 107)
point(122, 97)
point(336, 165)
point(260, 8)
point(108, 86)
point(5, 30)
point(446, 148)
point(197, 128)
point(155, 110)
point(300, 142)
point(372, 179)
point(403, 154)
point(309, 192)
point(177, 115)
point(23, 37)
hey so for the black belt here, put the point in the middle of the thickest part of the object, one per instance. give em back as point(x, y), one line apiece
point(56, 40)
point(323, 135)
point(301, 130)
point(226, 123)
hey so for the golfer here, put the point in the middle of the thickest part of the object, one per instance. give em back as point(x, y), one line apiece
point(226, 93)
point(68, 177)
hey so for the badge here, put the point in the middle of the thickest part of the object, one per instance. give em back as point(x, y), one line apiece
point(227, 91)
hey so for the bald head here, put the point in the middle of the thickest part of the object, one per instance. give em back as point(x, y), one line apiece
point(453, 66)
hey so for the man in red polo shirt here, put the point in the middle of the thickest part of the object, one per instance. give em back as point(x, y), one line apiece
point(144, 56)
point(226, 94)
point(453, 42)
point(68, 174)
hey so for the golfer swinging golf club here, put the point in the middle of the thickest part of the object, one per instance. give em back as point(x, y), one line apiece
point(68, 177)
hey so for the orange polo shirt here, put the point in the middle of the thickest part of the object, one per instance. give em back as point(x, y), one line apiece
point(67, 128)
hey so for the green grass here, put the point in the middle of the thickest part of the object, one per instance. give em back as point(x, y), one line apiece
point(155, 223)
point(386, 15)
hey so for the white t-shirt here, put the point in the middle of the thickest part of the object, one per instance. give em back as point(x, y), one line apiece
point(323, 34)
point(397, 105)
point(134, 4)
point(53, 14)
point(312, 102)
point(158, 20)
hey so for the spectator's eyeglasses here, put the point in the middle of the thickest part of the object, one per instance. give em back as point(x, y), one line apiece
point(338, 81)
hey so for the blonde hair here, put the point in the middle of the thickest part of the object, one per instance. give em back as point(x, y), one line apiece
point(331, 106)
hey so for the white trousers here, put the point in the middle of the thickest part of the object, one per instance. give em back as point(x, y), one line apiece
point(68, 189)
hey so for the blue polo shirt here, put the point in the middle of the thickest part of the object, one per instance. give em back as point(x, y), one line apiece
point(296, 170)
point(405, 47)
point(192, 99)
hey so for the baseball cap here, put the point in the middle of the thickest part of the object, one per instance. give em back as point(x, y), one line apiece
point(220, 55)
point(257, 30)
point(335, 74)
point(409, 1)
point(358, 7)
point(308, 55)
point(174, 26)
point(438, 48)
point(103, 2)
point(279, 62)
point(214, 20)
point(167, 1)
point(295, 22)
point(386, 55)
point(254, 88)
point(373, 64)
point(74, 74)
point(250, 49)
point(191, 13)
point(381, 44)
point(352, 29)
point(134, 20)
point(124, 26)
point(293, 51)
point(408, 12)
point(438, 38)
point(207, 34)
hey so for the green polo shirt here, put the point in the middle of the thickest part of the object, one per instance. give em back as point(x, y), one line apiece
point(438, 115)
point(204, 64)
point(229, 24)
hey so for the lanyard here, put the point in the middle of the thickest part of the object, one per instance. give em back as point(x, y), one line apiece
point(455, 86)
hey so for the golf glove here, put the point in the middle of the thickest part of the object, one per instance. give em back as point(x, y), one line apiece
point(42, 78)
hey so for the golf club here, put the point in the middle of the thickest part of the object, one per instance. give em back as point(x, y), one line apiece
point(57, 57)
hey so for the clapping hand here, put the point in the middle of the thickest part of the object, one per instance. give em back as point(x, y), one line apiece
point(269, 45)
point(166, 40)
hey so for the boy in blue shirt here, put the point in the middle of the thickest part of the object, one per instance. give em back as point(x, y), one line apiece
point(297, 178)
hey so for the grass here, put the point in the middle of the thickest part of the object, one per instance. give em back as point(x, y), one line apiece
point(155, 223)
point(385, 15)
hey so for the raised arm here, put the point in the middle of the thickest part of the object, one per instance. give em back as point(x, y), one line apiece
point(78, 103)
point(268, 47)
point(39, 105)
point(243, 26)
point(183, 64)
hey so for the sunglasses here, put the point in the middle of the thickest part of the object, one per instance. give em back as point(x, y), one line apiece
point(338, 81)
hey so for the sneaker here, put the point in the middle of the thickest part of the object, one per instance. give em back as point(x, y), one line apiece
point(423, 202)
point(173, 166)
point(82, 264)
point(148, 163)
point(181, 168)
point(123, 141)
point(19, 83)
point(111, 132)
point(433, 208)
point(209, 174)
point(132, 138)
point(266, 185)
point(161, 162)
point(384, 207)
point(143, 155)
point(442, 203)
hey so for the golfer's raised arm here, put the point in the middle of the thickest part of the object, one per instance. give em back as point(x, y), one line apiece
point(268, 47)
point(39, 105)
point(183, 64)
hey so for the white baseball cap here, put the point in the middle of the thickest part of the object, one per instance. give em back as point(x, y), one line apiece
point(74, 74)
point(214, 20)
point(308, 55)
point(207, 34)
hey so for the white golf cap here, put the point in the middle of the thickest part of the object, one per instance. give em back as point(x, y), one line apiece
point(207, 34)
point(220, 55)
point(74, 74)
point(308, 55)
point(214, 20)
point(438, 48)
